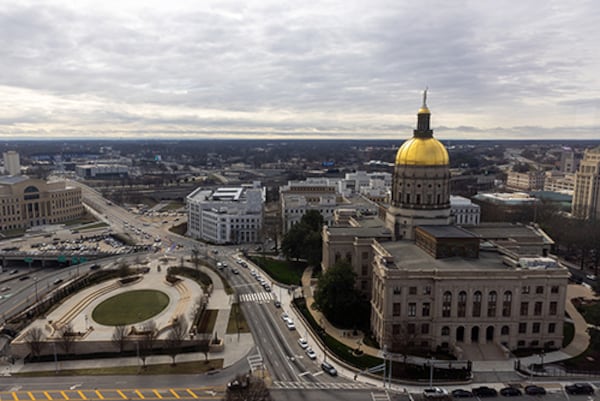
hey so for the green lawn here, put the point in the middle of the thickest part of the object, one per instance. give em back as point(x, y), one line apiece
point(590, 312)
point(130, 307)
point(285, 272)
point(173, 205)
point(568, 333)
point(237, 315)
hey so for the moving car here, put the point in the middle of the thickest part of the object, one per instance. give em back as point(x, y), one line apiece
point(303, 343)
point(534, 390)
point(277, 304)
point(311, 354)
point(511, 392)
point(579, 388)
point(484, 391)
point(435, 392)
point(57, 281)
point(460, 393)
point(327, 368)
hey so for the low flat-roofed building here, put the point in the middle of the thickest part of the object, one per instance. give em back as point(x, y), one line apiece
point(463, 211)
point(27, 202)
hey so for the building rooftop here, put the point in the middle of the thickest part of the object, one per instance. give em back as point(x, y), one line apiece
point(12, 179)
point(361, 232)
point(447, 232)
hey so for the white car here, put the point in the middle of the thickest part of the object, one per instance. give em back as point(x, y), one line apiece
point(290, 324)
point(591, 277)
point(303, 343)
point(435, 392)
point(311, 354)
point(285, 317)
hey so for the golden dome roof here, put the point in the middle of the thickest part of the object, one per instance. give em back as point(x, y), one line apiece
point(424, 110)
point(422, 152)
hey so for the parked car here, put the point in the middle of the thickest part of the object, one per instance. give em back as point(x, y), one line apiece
point(435, 392)
point(303, 343)
point(14, 271)
point(238, 383)
point(484, 391)
point(3, 289)
point(510, 392)
point(235, 271)
point(579, 388)
point(57, 281)
point(311, 354)
point(285, 317)
point(534, 390)
point(290, 324)
point(277, 304)
point(267, 287)
point(327, 368)
point(460, 393)
point(591, 277)
point(23, 278)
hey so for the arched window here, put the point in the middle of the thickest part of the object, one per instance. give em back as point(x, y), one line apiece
point(505, 330)
point(462, 304)
point(445, 331)
point(492, 299)
point(477, 304)
point(447, 304)
point(506, 303)
point(31, 192)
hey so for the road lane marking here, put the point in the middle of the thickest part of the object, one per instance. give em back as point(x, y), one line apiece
point(158, 395)
point(30, 394)
point(139, 394)
point(174, 393)
point(99, 394)
point(48, 396)
point(121, 394)
point(83, 397)
point(65, 396)
point(304, 374)
point(190, 392)
point(14, 394)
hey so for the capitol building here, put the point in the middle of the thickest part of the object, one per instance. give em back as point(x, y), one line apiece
point(433, 284)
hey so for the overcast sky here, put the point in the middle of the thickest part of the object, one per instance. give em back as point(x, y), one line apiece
point(299, 69)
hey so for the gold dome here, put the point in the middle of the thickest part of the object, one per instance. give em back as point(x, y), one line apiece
point(422, 152)
point(424, 110)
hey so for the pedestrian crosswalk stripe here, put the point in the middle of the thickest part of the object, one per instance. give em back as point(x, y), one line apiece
point(100, 396)
point(256, 297)
point(65, 396)
point(30, 395)
point(14, 394)
point(174, 393)
point(48, 396)
point(158, 395)
point(190, 392)
point(121, 394)
point(140, 394)
point(81, 394)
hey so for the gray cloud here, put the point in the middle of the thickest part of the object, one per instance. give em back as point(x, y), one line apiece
point(339, 69)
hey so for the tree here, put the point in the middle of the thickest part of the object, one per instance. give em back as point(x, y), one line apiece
point(176, 336)
point(195, 259)
point(34, 338)
point(303, 240)
point(119, 337)
point(147, 341)
point(247, 388)
point(67, 338)
point(339, 300)
point(123, 269)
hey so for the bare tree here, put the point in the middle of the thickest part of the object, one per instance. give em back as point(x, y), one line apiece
point(34, 338)
point(176, 336)
point(247, 388)
point(123, 269)
point(119, 337)
point(195, 259)
point(146, 343)
point(67, 338)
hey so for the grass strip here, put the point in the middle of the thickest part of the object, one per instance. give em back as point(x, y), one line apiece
point(283, 271)
point(237, 320)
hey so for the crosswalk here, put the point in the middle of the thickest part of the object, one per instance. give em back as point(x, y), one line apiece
point(380, 396)
point(259, 297)
point(320, 386)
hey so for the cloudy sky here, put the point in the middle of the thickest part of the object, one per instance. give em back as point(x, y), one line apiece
point(299, 69)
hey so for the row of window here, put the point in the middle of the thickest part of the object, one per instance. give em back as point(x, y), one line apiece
point(424, 328)
point(538, 307)
point(526, 289)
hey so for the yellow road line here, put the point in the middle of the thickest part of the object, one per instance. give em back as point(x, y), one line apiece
point(65, 396)
point(139, 394)
point(30, 394)
point(81, 394)
point(48, 396)
point(157, 394)
point(190, 392)
point(99, 394)
point(174, 393)
point(14, 394)
point(121, 394)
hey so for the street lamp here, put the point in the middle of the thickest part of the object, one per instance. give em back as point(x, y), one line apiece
point(542, 354)
point(35, 280)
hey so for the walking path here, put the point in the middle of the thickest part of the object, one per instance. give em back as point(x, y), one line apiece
point(576, 347)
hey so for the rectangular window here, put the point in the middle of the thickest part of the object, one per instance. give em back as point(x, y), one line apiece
point(365, 255)
point(412, 309)
point(525, 289)
point(412, 290)
point(396, 308)
point(425, 328)
point(551, 327)
point(426, 309)
point(396, 329)
point(536, 328)
point(522, 328)
point(537, 309)
point(524, 308)
point(364, 270)
point(553, 308)
point(410, 328)
point(539, 289)
point(397, 291)
point(426, 290)
point(554, 289)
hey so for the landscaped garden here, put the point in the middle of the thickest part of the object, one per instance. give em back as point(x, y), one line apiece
point(283, 271)
point(130, 307)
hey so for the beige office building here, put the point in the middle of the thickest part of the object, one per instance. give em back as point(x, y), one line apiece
point(586, 199)
point(433, 284)
point(27, 202)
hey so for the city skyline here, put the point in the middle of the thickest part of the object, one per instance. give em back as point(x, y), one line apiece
point(331, 70)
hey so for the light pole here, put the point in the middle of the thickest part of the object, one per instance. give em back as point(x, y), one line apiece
point(430, 372)
point(35, 280)
point(55, 358)
point(542, 354)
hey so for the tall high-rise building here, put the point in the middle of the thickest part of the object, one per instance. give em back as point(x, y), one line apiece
point(12, 163)
point(586, 200)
